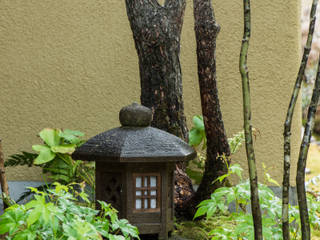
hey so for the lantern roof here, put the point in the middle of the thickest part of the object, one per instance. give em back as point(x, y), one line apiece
point(135, 141)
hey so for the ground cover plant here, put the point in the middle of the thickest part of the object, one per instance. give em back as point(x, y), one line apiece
point(228, 216)
point(58, 214)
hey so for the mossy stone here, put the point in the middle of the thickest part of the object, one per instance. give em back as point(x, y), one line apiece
point(135, 115)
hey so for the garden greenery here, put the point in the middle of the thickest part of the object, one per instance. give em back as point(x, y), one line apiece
point(54, 157)
point(57, 214)
point(197, 139)
point(241, 218)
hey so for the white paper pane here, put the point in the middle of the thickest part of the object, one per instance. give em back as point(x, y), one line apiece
point(153, 193)
point(153, 181)
point(138, 181)
point(138, 203)
point(153, 203)
point(145, 181)
point(146, 193)
point(145, 203)
point(138, 193)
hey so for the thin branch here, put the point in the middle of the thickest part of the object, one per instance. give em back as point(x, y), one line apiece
point(300, 178)
point(288, 123)
point(255, 205)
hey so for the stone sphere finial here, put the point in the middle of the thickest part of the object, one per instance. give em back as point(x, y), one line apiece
point(135, 115)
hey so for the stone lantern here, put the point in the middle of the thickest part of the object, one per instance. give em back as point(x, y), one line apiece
point(135, 166)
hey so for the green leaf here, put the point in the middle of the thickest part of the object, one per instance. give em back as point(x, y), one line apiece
point(201, 211)
point(71, 136)
point(33, 216)
point(25, 235)
point(271, 180)
point(45, 154)
point(69, 149)
point(50, 136)
point(195, 137)
point(237, 169)
point(198, 122)
point(211, 210)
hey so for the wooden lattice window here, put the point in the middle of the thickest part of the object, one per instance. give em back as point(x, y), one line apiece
point(147, 192)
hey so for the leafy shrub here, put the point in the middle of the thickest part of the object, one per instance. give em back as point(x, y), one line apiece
point(197, 139)
point(271, 207)
point(56, 214)
point(54, 157)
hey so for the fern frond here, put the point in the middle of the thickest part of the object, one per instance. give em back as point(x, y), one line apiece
point(25, 158)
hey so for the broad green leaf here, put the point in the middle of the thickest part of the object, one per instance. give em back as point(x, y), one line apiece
point(195, 137)
point(71, 136)
point(211, 210)
point(50, 136)
point(116, 237)
point(45, 154)
point(25, 235)
point(33, 216)
point(201, 211)
point(198, 122)
point(70, 148)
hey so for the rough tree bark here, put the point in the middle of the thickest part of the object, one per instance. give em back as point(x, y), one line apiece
point(302, 161)
point(3, 180)
point(156, 32)
point(255, 205)
point(206, 30)
point(287, 125)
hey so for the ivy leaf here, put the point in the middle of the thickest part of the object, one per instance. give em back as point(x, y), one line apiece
point(45, 154)
point(50, 136)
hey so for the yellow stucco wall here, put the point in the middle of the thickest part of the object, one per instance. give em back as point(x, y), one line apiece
point(72, 64)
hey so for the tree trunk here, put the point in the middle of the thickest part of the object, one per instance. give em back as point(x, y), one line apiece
point(287, 125)
point(255, 205)
point(156, 32)
point(3, 180)
point(206, 30)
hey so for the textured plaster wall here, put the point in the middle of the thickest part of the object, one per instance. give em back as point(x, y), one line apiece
point(72, 64)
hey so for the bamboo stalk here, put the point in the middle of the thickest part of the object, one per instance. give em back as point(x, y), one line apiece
point(288, 122)
point(300, 178)
point(3, 180)
point(255, 205)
